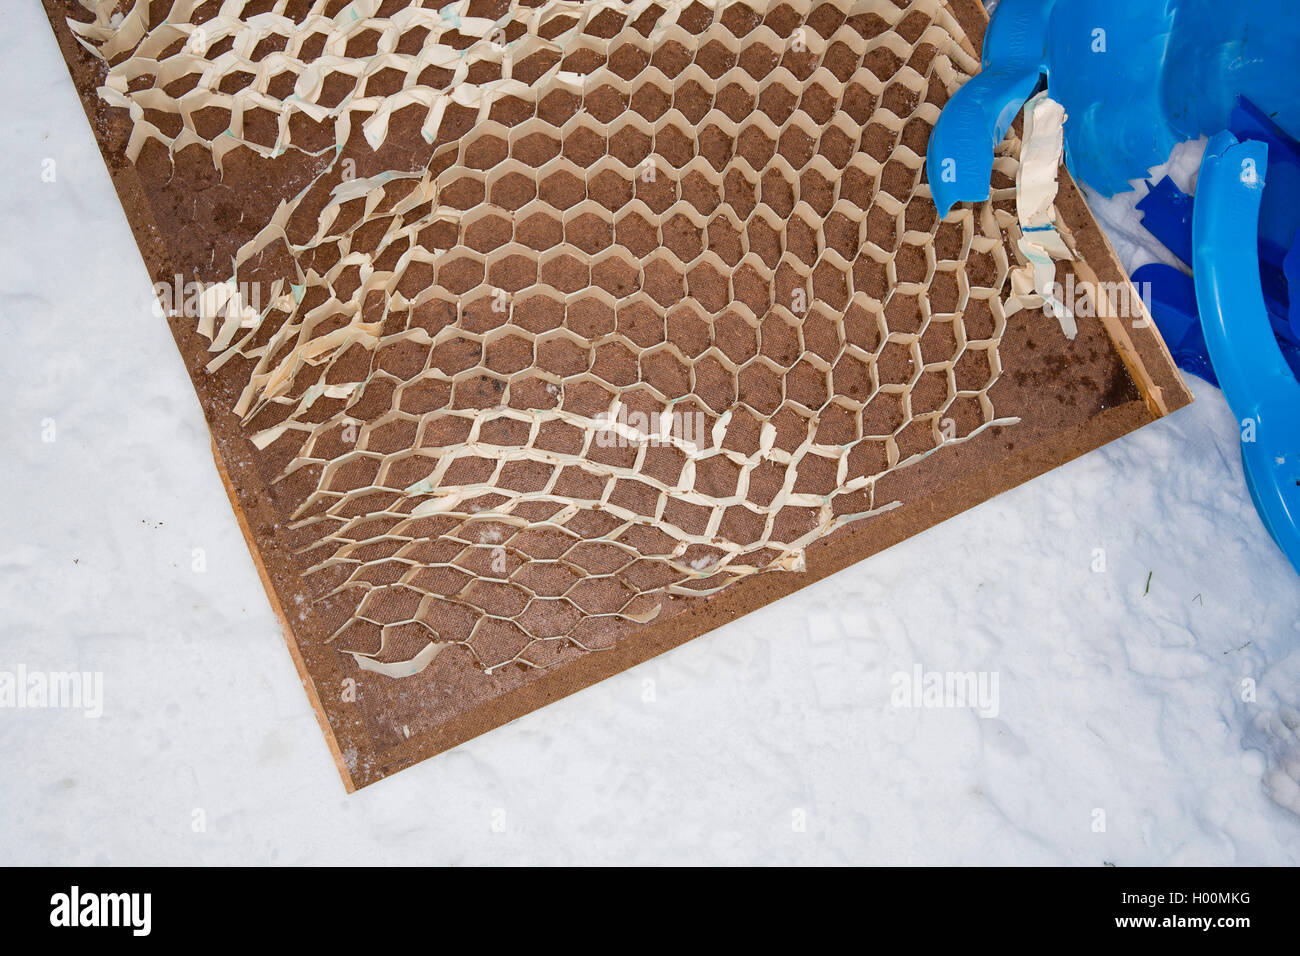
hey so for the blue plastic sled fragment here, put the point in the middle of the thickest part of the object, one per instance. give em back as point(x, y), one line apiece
point(1136, 77)
point(959, 159)
point(1171, 296)
point(1167, 215)
point(1256, 380)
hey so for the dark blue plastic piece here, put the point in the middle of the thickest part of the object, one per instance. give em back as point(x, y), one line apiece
point(1171, 296)
point(1167, 215)
point(1256, 380)
point(1291, 269)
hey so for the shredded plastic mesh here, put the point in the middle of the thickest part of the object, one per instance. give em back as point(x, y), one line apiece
point(660, 317)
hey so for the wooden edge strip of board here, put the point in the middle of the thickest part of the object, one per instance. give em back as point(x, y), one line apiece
point(286, 630)
point(1115, 320)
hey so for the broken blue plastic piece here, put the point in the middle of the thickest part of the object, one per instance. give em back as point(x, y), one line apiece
point(1291, 269)
point(959, 159)
point(1170, 294)
point(1258, 384)
point(1279, 215)
point(1167, 215)
point(1172, 301)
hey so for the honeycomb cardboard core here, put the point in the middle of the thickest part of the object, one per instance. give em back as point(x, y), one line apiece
point(541, 337)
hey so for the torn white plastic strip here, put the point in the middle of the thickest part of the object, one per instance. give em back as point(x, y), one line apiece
point(406, 668)
point(1036, 187)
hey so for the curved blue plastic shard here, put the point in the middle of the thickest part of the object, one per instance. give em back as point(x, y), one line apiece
point(959, 159)
point(1256, 381)
point(1279, 217)
point(1167, 215)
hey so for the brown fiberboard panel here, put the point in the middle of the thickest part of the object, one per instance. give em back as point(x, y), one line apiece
point(565, 332)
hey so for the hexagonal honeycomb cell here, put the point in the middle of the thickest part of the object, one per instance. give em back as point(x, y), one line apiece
point(667, 299)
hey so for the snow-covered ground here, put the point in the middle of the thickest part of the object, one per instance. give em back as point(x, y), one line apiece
point(1143, 632)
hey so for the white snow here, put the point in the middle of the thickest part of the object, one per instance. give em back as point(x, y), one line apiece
point(1120, 732)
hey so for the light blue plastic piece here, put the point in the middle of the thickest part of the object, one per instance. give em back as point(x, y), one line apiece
point(959, 159)
point(1136, 77)
point(1279, 217)
point(1256, 380)
point(1167, 215)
